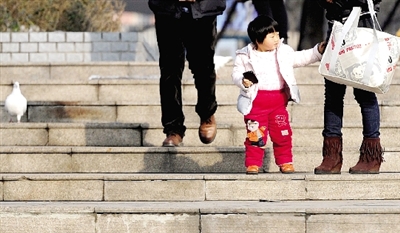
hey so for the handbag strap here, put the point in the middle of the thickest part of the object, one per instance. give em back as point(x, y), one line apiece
point(352, 21)
point(372, 12)
point(375, 43)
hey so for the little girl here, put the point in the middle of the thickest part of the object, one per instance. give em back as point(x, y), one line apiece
point(263, 100)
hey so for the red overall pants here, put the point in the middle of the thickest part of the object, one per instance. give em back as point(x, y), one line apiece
point(269, 110)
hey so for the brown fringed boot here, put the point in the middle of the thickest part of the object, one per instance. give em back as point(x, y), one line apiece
point(371, 157)
point(332, 156)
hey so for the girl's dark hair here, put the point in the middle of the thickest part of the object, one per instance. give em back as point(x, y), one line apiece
point(260, 27)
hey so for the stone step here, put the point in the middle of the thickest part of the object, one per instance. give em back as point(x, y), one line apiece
point(77, 73)
point(137, 135)
point(89, 72)
point(128, 112)
point(146, 92)
point(114, 160)
point(314, 216)
point(198, 187)
point(137, 82)
point(53, 97)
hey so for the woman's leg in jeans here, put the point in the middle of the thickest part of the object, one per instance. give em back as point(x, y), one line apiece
point(371, 151)
point(333, 122)
point(333, 109)
point(369, 111)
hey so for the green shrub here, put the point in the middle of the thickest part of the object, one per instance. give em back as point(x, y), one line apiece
point(61, 15)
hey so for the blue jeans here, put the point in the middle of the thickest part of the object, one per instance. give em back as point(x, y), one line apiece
point(333, 110)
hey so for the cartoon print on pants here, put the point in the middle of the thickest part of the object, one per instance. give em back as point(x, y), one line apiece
point(280, 120)
point(256, 133)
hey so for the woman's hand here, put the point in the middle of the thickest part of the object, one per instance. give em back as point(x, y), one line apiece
point(322, 47)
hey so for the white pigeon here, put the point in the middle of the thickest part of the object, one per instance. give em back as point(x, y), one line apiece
point(15, 103)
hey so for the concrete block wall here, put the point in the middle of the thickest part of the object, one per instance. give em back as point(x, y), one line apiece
point(73, 47)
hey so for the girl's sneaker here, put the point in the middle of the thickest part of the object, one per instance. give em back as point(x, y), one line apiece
point(286, 168)
point(252, 170)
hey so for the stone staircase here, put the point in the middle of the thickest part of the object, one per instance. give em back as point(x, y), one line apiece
point(87, 158)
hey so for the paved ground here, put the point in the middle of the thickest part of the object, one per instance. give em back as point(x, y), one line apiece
point(210, 207)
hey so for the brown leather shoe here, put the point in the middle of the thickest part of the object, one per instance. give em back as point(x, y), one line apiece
point(208, 130)
point(172, 140)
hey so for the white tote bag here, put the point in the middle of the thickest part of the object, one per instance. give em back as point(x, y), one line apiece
point(360, 57)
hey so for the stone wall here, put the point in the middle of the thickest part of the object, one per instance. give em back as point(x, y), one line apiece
point(75, 47)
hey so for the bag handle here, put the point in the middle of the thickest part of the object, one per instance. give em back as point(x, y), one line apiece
point(375, 43)
point(372, 12)
point(352, 21)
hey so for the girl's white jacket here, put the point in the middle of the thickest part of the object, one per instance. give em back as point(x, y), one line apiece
point(287, 60)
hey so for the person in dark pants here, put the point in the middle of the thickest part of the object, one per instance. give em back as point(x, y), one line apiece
point(275, 9)
point(311, 25)
point(186, 29)
point(371, 150)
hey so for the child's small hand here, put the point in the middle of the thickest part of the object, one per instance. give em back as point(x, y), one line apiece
point(322, 47)
point(247, 83)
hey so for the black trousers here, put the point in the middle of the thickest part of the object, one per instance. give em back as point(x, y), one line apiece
point(194, 40)
point(311, 25)
point(275, 9)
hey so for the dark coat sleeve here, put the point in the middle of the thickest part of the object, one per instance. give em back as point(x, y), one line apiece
point(342, 8)
point(199, 9)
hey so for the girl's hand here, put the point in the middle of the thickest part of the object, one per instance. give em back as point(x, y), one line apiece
point(247, 83)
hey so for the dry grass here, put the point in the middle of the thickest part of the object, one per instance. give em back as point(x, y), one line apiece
point(61, 15)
